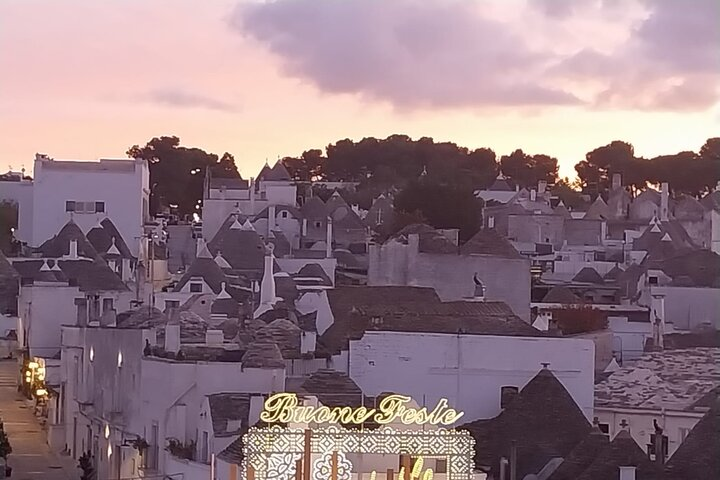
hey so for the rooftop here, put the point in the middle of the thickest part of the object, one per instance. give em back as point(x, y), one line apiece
point(671, 379)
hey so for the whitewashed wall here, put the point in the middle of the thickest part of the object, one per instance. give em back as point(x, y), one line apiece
point(425, 366)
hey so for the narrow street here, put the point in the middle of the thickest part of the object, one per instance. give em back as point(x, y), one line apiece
point(31, 458)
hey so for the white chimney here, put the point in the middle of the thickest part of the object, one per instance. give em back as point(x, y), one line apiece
point(657, 319)
point(664, 201)
point(533, 195)
point(252, 196)
point(616, 180)
point(73, 250)
point(542, 186)
point(214, 338)
point(172, 337)
point(329, 238)
point(304, 227)
point(267, 286)
point(627, 473)
point(271, 219)
point(307, 342)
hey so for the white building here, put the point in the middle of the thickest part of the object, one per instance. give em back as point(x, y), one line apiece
point(87, 192)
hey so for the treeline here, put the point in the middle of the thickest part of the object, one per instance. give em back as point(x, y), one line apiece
point(398, 159)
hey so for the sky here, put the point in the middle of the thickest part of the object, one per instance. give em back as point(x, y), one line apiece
point(262, 80)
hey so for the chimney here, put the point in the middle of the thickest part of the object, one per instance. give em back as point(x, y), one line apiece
point(658, 320)
point(73, 250)
point(257, 404)
point(664, 201)
point(172, 337)
point(214, 338)
point(252, 196)
point(507, 395)
point(329, 238)
point(513, 460)
point(267, 286)
point(542, 186)
point(271, 219)
point(627, 473)
point(307, 342)
point(199, 246)
point(304, 227)
point(616, 181)
point(533, 195)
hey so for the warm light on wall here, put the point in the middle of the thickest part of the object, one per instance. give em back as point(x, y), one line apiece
point(33, 365)
point(41, 392)
point(109, 451)
point(120, 359)
point(92, 354)
point(107, 431)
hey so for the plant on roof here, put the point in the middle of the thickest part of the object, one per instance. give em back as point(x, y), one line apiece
point(181, 450)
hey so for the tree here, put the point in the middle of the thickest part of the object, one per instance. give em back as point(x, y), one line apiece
point(596, 171)
point(85, 464)
point(570, 197)
point(177, 173)
point(579, 319)
point(443, 206)
point(5, 447)
point(527, 170)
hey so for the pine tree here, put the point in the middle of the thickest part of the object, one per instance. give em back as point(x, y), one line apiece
point(85, 464)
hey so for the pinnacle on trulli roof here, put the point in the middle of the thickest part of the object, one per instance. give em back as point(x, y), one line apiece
point(113, 250)
point(45, 267)
point(666, 238)
point(56, 267)
point(223, 293)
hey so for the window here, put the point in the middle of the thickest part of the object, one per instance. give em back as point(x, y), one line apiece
point(604, 428)
point(172, 304)
point(284, 214)
point(653, 280)
point(318, 224)
point(107, 304)
point(441, 465)
point(99, 207)
point(491, 222)
point(69, 206)
point(84, 207)
point(196, 287)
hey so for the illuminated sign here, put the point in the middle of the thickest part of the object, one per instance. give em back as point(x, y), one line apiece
point(286, 408)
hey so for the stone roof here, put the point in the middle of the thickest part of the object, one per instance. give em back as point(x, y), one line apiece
point(671, 379)
point(426, 314)
point(702, 267)
point(501, 184)
point(314, 208)
point(613, 273)
point(229, 413)
point(278, 173)
point(598, 210)
point(489, 242)
point(283, 333)
point(697, 457)
point(59, 245)
point(561, 294)
point(588, 275)
point(141, 318)
point(711, 201)
point(431, 241)
point(9, 286)
point(207, 269)
point(621, 452)
point(281, 245)
point(580, 457)
point(103, 236)
point(333, 389)
point(312, 274)
point(263, 355)
point(226, 306)
point(243, 249)
point(88, 275)
point(229, 183)
point(292, 210)
point(562, 211)
point(543, 421)
point(192, 326)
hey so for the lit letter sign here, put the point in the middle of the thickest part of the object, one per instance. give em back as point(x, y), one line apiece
point(285, 408)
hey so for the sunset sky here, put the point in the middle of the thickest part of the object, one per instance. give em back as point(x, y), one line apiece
point(87, 79)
